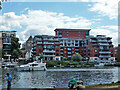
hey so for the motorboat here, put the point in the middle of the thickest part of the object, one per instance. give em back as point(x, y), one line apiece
point(99, 65)
point(9, 64)
point(34, 66)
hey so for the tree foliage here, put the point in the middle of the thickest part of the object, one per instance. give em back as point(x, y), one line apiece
point(15, 47)
point(42, 56)
point(76, 57)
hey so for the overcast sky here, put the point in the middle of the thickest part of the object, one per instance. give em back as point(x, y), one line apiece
point(33, 18)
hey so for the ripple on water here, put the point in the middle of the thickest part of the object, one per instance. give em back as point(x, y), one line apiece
point(60, 77)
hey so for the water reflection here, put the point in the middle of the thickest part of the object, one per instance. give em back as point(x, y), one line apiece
point(60, 77)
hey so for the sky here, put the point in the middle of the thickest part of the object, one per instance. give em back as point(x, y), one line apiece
point(38, 18)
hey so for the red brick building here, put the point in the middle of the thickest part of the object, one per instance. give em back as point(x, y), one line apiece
point(71, 41)
point(72, 33)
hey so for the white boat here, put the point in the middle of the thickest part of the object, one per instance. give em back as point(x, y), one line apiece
point(99, 65)
point(34, 66)
point(9, 64)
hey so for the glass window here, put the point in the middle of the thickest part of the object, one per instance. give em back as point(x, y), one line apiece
point(65, 48)
point(79, 32)
point(72, 51)
point(67, 35)
point(57, 50)
point(67, 32)
point(95, 50)
point(39, 50)
point(79, 35)
point(64, 51)
point(72, 48)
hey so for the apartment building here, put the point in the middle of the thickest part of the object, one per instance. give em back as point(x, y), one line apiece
point(118, 53)
point(6, 41)
point(101, 49)
point(48, 45)
point(67, 42)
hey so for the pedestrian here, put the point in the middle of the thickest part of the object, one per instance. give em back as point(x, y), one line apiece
point(73, 83)
point(80, 85)
point(9, 81)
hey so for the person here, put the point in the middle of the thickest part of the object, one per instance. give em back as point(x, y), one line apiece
point(9, 81)
point(80, 86)
point(72, 83)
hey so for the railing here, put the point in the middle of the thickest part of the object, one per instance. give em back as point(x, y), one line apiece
point(104, 56)
point(103, 44)
point(69, 52)
point(48, 51)
point(104, 52)
point(49, 55)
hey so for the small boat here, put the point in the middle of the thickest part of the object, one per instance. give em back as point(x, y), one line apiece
point(8, 65)
point(34, 66)
point(99, 65)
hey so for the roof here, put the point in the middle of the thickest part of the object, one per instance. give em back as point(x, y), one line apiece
point(8, 31)
point(72, 29)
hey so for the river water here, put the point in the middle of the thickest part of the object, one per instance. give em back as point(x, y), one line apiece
point(59, 77)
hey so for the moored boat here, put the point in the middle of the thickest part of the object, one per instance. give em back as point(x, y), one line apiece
point(34, 66)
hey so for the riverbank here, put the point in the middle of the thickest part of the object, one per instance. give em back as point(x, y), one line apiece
point(111, 86)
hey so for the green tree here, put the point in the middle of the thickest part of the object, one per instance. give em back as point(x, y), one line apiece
point(3, 53)
point(15, 54)
point(15, 47)
point(76, 57)
point(42, 56)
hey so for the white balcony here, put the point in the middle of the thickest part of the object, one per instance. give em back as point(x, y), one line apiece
point(48, 43)
point(102, 40)
point(104, 52)
point(104, 56)
point(69, 52)
point(6, 43)
point(103, 44)
point(49, 55)
point(48, 51)
point(39, 42)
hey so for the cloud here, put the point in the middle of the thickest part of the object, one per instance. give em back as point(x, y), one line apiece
point(106, 8)
point(102, 7)
point(42, 22)
point(38, 22)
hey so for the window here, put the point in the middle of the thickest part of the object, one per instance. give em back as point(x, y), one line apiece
point(67, 35)
point(57, 54)
point(67, 32)
point(56, 46)
point(39, 50)
point(95, 51)
point(79, 32)
point(72, 51)
point(72, 48)
point(57, 50)
point(65, 48)
point(79, 35)
point(95, 55)
point(64, 51)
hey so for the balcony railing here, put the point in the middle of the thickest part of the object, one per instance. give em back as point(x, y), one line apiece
point(48, 51)
point(104, 52)
point(69, 52)
point(49, 55)
point(103, 44)
point(39, 42)
point(105, 56)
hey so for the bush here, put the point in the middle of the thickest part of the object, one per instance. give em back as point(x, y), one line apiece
point(51, 64)
point(76, 57)
point(65, 63)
